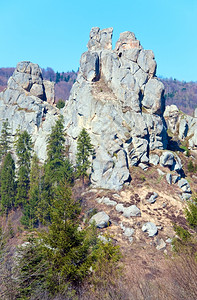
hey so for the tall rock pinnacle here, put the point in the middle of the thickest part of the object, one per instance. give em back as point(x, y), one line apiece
point(120, 102)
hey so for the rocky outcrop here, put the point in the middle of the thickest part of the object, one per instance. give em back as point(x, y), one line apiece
point(120, 102)
point(116, 98)
point(182, 125)
point(25, 104)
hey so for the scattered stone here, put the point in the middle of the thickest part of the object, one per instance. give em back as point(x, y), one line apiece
point(184, 185)
point(167, 159)
point(154, 159)
point(143, 166)
point(169, 241)
point(131, 211)
point(116, 196)
point(164, 204)
point(176, 178)
point(101, 220)
point(109, 202)
point(160, 172)
point(128, 231)
point(169, 178)
point(161, 245)
point(185, 196)
point(120, 207)
point(99, 200)
point(153, 198)
point(122, 226)
point(103, 239)
point(151, 228)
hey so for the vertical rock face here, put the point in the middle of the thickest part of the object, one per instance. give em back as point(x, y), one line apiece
point(25, 104)
point(120, 102)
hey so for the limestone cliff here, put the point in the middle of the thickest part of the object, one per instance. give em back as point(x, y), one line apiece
point(120, 102)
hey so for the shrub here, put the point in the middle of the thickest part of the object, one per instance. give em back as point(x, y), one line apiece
point(60, 104)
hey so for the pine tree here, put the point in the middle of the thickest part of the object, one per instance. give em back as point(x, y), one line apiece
point(57, 167)
point(5, 139)
point(60, 258)
point(66, 248)
point(84, 150)
point(30, 215)
point(23, 146)
point(8, 185)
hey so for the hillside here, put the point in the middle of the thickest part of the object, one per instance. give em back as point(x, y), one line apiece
point(182, 94)
point(98, 198)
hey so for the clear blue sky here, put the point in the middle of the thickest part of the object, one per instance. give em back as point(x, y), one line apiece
point(55, 33)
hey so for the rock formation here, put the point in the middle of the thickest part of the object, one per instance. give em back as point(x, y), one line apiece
point(120, 102)
point(25, 104)
point(182, 125)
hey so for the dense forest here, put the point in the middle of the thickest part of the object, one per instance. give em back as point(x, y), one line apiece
point(181, 93)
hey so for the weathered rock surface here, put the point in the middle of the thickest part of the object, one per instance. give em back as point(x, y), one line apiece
point(169, 178)
point(185, 125)
point(167, 159)
point(184, 185)
point(153, 198)
point(101, 219)
point(120, 102)
point(151, 228)
point(161, 245)
point(25, 104)
point(131, 211)
point(154, 159)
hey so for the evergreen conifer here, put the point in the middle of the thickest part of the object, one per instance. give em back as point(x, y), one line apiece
point(30, 216)
point(8, 185)
point(5, 139)
point(84, 150)
point(23, 147)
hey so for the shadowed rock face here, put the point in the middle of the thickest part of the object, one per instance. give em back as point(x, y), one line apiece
point(25, 104)
point(120, 102)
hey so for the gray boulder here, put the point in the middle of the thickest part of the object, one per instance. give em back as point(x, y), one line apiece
point(151, 228)
point(109, 202)
point(176, 178)
point(152, 96)
point(131, 211)
point(120, 207)
point(90, 66)
point(154, 159)
point(185, 196)
point(128, 231)
point(146, 61)
point(167, 159)
point(161, 245)
point(184, 185)
point(169, 178)
point(153, 198)
point(101, 220)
